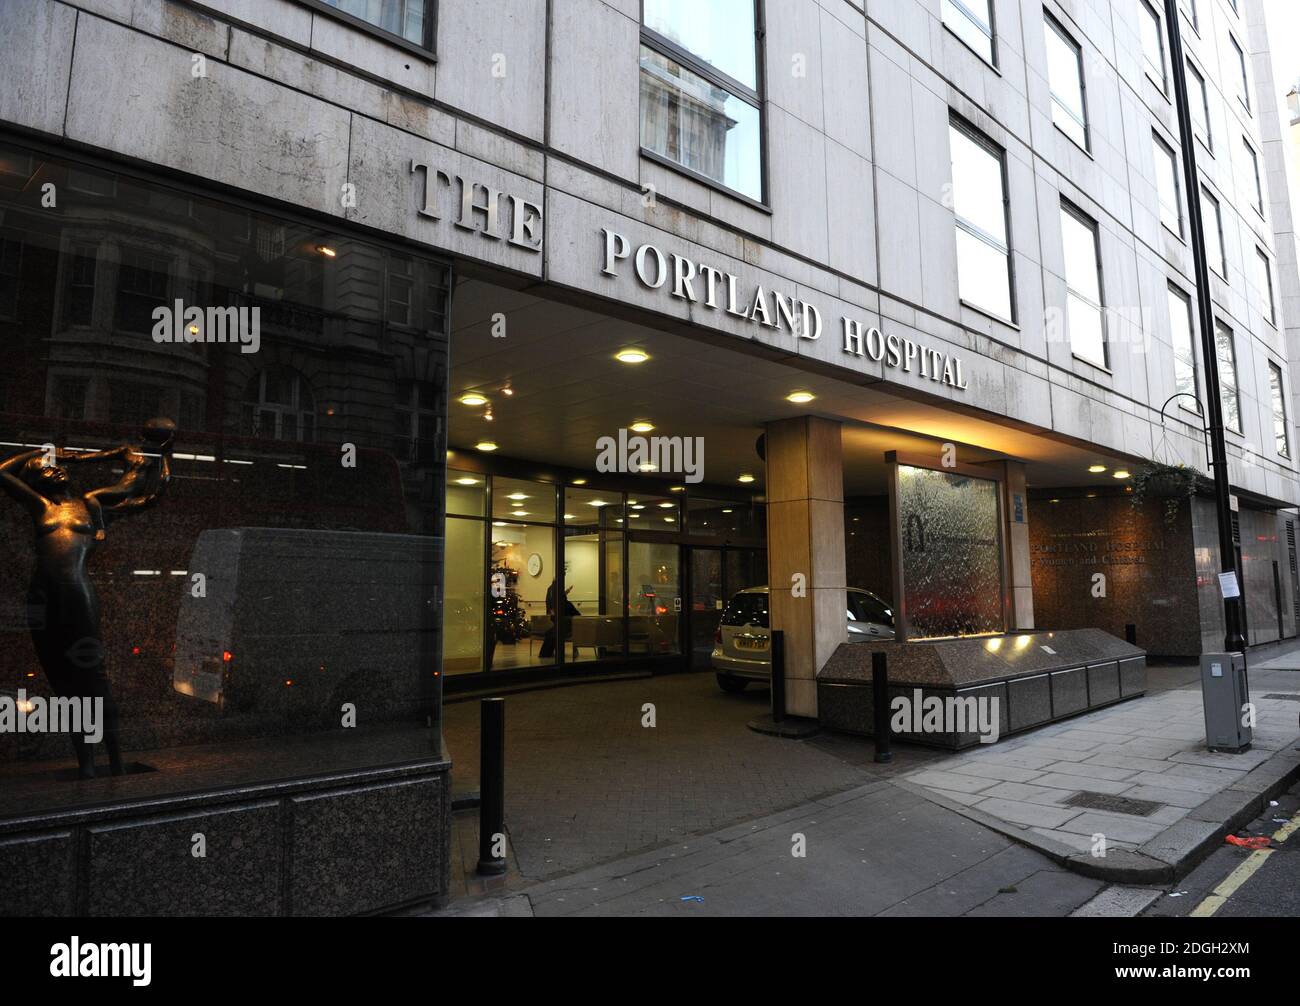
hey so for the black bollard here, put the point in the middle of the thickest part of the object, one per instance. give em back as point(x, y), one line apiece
point(777, 645)
point(492, 785)
point(880, 706)
point(1131, 634)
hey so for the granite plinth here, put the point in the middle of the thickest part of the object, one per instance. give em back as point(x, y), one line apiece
point(1035, 677)
point(307, 827)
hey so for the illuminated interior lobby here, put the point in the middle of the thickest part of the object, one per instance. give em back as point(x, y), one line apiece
point(649, 560)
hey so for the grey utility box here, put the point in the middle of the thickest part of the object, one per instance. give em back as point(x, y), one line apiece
point(1225, 692)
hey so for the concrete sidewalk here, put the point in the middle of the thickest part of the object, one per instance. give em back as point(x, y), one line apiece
point(1128, 793)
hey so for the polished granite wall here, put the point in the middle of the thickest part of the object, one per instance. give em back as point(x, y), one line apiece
point(1149, 566)
point(1263, 543)
point(340, 844)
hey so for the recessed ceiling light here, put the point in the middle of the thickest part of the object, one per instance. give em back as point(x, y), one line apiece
point(467, 482)
point(800, 397)
point(631, 356)
point(520, 513)
point(670, 519)
point(677, 489)
point(579, 482)
point(597, 503)
point(1096, 469)
point(1119, 473)
point(666, 506)
point(486, 445)
point(517, 497)
point(726, 511)
point(1054, 501)
point(745, 478)
point(498, 523)
point(647, 467)
point(642, 426)
point(473, 398)
point(637, 506)
point(326, 250)
point(570, 516)
point(507, 391)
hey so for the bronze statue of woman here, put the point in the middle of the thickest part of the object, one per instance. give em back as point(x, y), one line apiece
point(63, 608)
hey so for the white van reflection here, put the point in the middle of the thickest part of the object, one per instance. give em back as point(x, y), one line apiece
point(298, 622)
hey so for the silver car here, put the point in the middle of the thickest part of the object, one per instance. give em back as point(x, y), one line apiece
point(741, 653)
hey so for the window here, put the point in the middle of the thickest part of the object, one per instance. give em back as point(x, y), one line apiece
point(416, 422)
point(1198, 100)
point(141, 287)
point(278, 405)
point(68, 398)
point(409, 20)
point(1227, 357)
point(1252, 171)
point(1281, 435)
point(980, 202)
point(1213, 224)
point(1065, 77)
point(1243, 95)
point(1171, 204)
point(700, 103)
point(1189, 8)
point(80, 304)
point(1180, 333)
point(972, 22)
point(1087, 326)
point(1153, 43)
point(1266, 286)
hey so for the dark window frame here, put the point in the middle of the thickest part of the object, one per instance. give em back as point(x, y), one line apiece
point(1054, 24)
point(664, 46)
point(962, 8)
point(1276, 376)
point(1186, 298)
point(426, 49)
point(1178, 184)
point(1163, 82)
point(975, 135)
point(1093, 225)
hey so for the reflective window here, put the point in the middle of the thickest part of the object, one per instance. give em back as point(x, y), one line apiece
point(1212, 221)
point(1269, 304)
point(972, 22)
point(466, 492)
point(1065, 76)
point(1180, 333)
point(1277, 397)
point(1252, 172)
point(407, 19)
point(519, 500)
point(700, 97)
point(1153, 42)
point(1198, 100)
point(1189, 6)
point(1227, 357)
point(1171, 205)
point(1243, 83)
point(980, 202)
point(1083, 286)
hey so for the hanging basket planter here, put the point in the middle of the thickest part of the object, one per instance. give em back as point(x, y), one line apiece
point(1169, 483)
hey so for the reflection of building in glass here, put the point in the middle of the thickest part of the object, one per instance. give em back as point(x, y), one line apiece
point(684, 115)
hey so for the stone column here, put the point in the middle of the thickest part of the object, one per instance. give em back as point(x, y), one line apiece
point(805, 535)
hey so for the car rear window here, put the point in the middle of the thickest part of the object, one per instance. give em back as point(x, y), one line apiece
point(746, 609)
point(865, 608)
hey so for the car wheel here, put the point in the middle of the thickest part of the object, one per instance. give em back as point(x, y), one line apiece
point(731, 685)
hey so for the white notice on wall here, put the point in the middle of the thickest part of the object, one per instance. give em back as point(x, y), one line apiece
point(1228, 584)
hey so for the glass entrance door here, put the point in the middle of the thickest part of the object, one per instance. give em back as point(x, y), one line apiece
point(707, 602)
point(654, 598)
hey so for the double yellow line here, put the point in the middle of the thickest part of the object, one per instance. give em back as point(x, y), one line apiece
point(1244, 872)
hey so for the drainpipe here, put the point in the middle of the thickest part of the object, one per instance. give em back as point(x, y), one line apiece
point(1233, 639)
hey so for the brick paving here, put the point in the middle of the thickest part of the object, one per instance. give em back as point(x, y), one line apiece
point(587, 783)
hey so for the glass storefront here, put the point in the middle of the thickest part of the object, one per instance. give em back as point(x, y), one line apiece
point(549, 574)
point(222, 439)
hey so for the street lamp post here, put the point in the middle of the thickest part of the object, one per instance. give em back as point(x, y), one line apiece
point(1233, 639)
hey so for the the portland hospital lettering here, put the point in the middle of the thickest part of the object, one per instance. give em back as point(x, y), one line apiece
point(721, 291)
